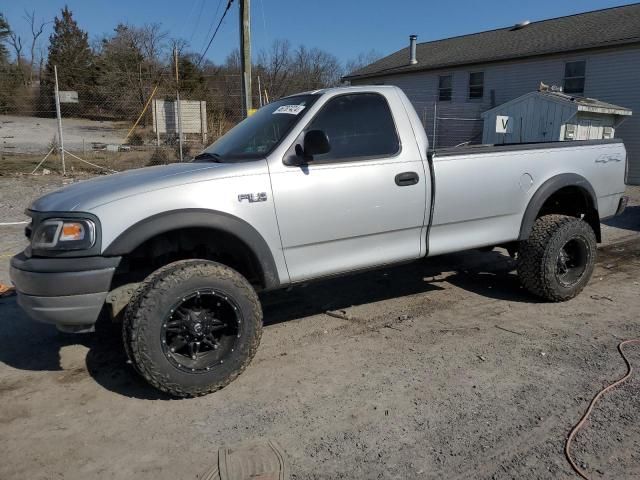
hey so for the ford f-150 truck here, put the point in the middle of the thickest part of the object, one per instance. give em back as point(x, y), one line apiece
point(312, 185)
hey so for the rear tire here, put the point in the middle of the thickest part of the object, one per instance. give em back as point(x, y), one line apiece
point(558, 258)
point(192, 327)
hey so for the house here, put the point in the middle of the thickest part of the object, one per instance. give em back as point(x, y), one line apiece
point(451, 82)
point(552, 116)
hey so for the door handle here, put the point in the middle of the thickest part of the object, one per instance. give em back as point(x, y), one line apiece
point(407, 178)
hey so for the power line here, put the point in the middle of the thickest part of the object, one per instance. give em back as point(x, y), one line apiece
point(264, 24)
point(215, 32)
point(215, 15)
point(193, 29)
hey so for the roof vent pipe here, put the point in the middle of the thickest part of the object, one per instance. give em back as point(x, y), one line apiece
point(412, 49)
point(521, 25)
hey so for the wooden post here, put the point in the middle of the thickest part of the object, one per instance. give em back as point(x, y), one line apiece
point(245, 54)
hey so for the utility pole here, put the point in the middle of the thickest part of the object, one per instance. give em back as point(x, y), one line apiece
point(61, 147)
point(245, 54)
point(178, 109)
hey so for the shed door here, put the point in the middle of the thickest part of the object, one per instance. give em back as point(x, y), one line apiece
point(589, 130)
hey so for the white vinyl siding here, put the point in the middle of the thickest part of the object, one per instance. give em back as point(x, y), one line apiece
point(612, 76)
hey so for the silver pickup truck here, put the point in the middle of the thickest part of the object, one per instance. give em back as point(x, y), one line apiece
point(316, 184)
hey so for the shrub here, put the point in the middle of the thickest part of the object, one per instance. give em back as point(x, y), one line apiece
point(136, 139)
point(158, 157)
point(186, 150)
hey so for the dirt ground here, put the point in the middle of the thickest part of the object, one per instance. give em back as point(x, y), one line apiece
point(446, 369)
point(17, 133)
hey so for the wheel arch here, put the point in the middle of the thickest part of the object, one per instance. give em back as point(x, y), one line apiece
point(567, 193)
point(228, 225)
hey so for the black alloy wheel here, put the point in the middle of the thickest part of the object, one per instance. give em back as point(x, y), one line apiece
point(201, 330)
point(573, 259)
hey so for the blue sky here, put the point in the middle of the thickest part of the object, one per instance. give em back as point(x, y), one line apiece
point(344, 28)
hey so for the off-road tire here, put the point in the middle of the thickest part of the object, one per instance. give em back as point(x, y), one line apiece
point(537, 258)
point(149, 307)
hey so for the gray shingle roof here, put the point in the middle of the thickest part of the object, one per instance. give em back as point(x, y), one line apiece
point(612, 26)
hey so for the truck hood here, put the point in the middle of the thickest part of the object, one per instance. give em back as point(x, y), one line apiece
point(88, 194)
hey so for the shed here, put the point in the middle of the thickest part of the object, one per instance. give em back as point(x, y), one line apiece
point(550, 115)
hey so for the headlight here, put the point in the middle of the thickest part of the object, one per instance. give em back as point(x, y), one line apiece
point(61, 234)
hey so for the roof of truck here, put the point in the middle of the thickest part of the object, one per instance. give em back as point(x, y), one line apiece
point(346, 89)
point(600, 28)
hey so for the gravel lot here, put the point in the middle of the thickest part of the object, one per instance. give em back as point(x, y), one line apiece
point(34, 135)
point(446, 369)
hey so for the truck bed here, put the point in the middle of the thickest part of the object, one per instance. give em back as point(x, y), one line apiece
point(513, 147)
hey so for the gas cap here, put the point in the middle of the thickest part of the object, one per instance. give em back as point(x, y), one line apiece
point(526, 181)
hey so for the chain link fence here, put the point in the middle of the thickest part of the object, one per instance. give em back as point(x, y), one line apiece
point(112, 127)
point(132, 122)
point(449, 124)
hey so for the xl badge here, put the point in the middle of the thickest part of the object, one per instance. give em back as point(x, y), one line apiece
point(253, 197)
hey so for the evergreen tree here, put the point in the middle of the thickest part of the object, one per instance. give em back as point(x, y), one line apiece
point(4, 34)
point(192, 82)
point(9, 78)
point(69, 50)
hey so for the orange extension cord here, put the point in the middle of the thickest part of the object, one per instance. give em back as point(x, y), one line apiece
point(582, 421)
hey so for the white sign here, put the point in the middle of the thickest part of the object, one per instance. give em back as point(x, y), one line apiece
point(504, 124)
point(68, 96)
point(290, 109)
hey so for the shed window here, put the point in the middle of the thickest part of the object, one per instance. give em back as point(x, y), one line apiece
point(476, 85)
point(574, 77)
point(445, 87)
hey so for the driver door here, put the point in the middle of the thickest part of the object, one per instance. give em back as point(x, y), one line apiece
point(363, 203)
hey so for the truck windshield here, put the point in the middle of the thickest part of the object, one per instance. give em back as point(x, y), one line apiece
point(256, 136)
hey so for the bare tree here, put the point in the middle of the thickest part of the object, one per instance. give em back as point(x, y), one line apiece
point(16, 42)
point(131, 61)
point(152, 40)
point(274, 68)
point(361, 61)
point(314, 68)
point(284, 71)
point(37, 30)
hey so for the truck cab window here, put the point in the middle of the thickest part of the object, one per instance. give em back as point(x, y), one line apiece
point(358, 126)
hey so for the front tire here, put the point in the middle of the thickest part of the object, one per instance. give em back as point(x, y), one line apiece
point(192, 327)
point(558, 258)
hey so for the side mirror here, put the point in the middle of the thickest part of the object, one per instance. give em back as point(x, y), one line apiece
point(316, 142)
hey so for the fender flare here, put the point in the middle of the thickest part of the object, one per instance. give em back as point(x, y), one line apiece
point(154, 225)
point(548, 188)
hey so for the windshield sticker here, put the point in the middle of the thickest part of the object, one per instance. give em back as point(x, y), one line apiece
point(290, 109)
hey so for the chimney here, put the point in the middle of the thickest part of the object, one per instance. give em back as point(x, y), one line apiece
point(412, 49)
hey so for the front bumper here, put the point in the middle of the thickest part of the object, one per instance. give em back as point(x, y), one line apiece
point(68, 292)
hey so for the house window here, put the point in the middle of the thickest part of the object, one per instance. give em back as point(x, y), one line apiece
point(574, 77)
point(476, 85)
point(445, 88)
